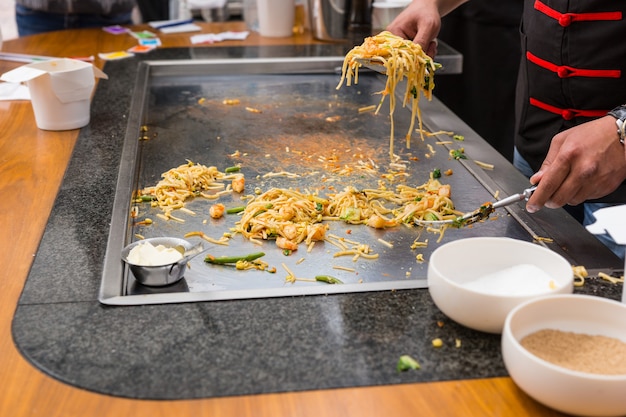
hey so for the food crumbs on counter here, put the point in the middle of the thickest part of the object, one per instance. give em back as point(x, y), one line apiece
point(457, 343)
point(406, 363)
point(448, 172)
point(186, 210)
point(201, 100)
point(437, 343)
point(221, 241)
point(386, 243)
point(543, 239)
point(231, 101)
point(344, 268)
point(419, 257)
point(594, 354)
point(367, 108)
point(440, 323)
point(612, 280)
point(253, 110)
point(417, 244)
point(484, 165)
point(458, 153)
point(458, 137)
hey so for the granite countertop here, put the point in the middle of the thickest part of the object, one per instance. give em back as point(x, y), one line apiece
point(221, 348)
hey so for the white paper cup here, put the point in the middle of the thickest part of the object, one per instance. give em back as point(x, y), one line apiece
point(60, 91)
point(276, 17)
point(61, 98)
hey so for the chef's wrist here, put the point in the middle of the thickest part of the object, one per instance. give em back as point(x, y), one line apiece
point(619, 113)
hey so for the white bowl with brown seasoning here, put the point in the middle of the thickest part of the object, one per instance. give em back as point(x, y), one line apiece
point(568, 352)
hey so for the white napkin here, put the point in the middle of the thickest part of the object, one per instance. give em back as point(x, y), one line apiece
point(14, 91)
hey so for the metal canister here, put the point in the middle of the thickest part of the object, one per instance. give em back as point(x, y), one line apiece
point(340, 20)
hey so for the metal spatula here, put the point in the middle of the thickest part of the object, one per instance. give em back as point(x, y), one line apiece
point(373, 65)
point(481, 213)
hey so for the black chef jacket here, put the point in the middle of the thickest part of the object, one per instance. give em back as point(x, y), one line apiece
point(573, 70)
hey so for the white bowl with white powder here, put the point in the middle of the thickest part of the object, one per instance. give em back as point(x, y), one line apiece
point(478, 281)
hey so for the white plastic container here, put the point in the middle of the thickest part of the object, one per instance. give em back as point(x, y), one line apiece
point(384, 12)
point(276, 17)
point(60, 91)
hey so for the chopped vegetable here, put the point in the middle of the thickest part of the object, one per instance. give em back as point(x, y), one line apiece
point(328, 279)
point(232, 169)
point(232, 259)
point(235, 210)
point(406, 362)
point(436, 173)
point(458, 153)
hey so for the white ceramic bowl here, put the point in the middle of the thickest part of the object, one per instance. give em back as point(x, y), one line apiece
point(454, 266)
point(566, 390)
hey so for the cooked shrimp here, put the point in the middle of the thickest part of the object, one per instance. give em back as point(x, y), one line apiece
point(378, 222)
point(290, 231)
point(445, 191)
point(285, 243)
point(286, 212)
point(316, 232)
point(238, 184)
point(216, 210)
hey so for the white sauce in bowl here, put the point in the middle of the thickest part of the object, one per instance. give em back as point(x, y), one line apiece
point(146, 254)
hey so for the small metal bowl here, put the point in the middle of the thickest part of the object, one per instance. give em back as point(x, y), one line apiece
point(158, 276)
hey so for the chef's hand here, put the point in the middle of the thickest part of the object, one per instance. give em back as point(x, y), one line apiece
point(421, 22)
point(584, 162)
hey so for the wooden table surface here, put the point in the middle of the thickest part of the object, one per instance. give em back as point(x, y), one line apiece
point(32, 164)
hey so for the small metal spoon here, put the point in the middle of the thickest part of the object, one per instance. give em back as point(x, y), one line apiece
point(193, 251)
point(480, 213)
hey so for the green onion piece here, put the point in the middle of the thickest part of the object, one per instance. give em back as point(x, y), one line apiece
point(406, 362)
point(431, 217)
point(232, 169)
point(328, 279)
point(232, 259)
point(235, 210)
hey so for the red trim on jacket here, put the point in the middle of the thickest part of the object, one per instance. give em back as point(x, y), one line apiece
point(565, 19)
point(565, 71)
point(567, 114)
